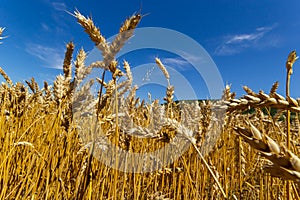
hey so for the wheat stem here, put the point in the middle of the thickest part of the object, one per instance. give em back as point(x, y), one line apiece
point(6, 77)
point(210, 170)
point(289, 67)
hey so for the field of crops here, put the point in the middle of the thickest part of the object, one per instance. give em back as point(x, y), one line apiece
point(234, 148)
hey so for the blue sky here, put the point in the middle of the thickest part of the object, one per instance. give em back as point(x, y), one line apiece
point(248, 40)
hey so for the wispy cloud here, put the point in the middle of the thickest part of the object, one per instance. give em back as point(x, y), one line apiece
point(234, 44)
point(45, 27)
point(59, 6)
point(185, 61)
point(176, 62)
point(190, 57)
point(52, 57)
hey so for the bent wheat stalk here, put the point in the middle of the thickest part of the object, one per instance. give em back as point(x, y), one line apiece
point(283, 160)
point(186, 133)
point(262, 100)
point(210, 170)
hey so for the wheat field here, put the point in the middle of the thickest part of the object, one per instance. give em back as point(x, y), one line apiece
point(45, 153)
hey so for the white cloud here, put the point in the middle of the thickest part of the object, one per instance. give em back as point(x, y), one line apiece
point(52, 57)
point(59, 6)
point(266, 28)
point(45, 27)
point(234, 44)
point(185, 60)
point(177, 61)
point(191, 57)
point(245, 37)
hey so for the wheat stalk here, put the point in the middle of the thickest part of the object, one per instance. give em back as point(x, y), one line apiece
point(292, 57)
point(262, 100)
point(67, 66)
point(91, 29)
point(80, 71)
point(6, 77)
point(33, 85)
point(125, 84)
point(282, 158)
point(59, 88)
point(125, 32)
point(1, 31)
point(163, 69)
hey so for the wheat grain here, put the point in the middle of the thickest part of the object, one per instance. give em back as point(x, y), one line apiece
point(59, 88)
point(80, 67)
point(6, 77)
point(227, 94)
point(67, 66)
point(292, 57)
point(90, 29)
point(283, 159)
point(126, 31)
point(274, 88)
point(163, 69)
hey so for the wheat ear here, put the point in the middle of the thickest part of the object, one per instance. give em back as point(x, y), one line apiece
point(80, 71)
point(163, 69)
point(67, 66)
point(91, 30)
point(1, 31)
point(283, 159)
point(6, 77)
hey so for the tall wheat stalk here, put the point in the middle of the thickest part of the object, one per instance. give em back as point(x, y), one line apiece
point(292, 57)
